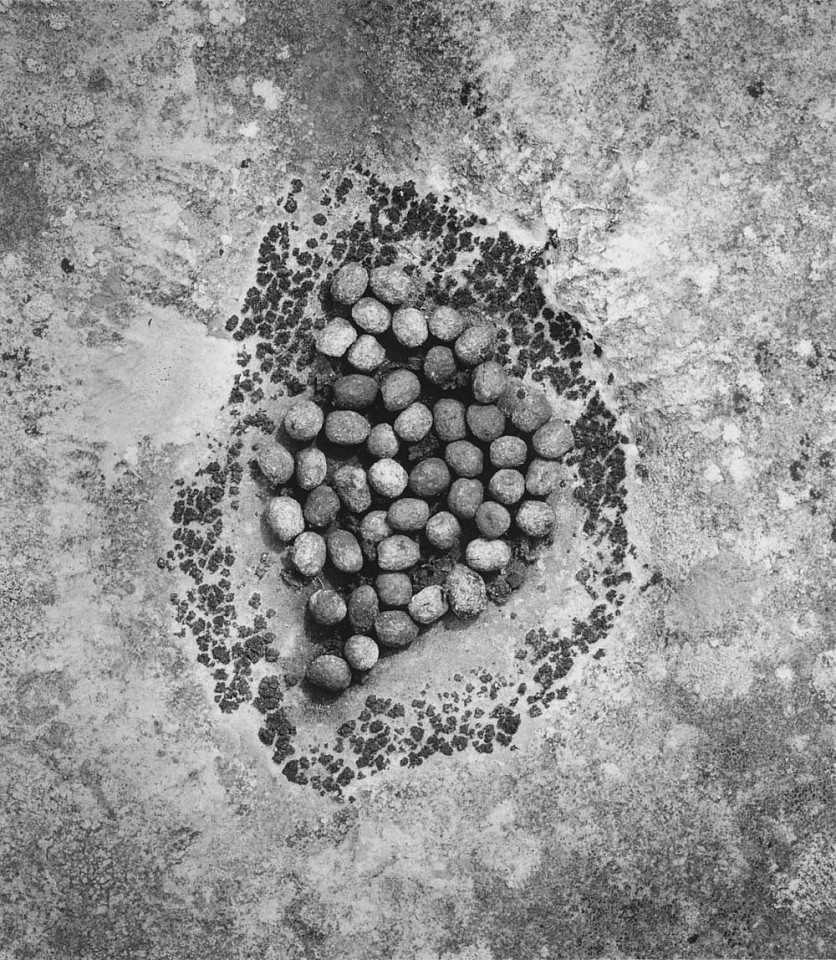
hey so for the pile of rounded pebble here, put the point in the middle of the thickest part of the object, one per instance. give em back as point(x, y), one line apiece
point(425, 450)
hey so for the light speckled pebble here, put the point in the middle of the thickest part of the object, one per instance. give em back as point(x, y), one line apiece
point(541, 478)
point(446, 323)
point(464, 458)
point(410, 327)
point(363, 607)
point(349, 283)
point(327, 607)
point(322, 506)
point(508, 452)
point(443, 530)
point(366, 354)
point(449, 420)
point(464, 498)
point(429, 478)
point(488, 382)
point(346, 427)
point(414, 423)
point(308, 553)
point(527, 406)
point(492, 520)
point(390, 284)
point(274, 462)
point(311, 468)
point(487, 556)
point(335, 338)
point(382, 442)
point(507, 486)
point(371, 316)
point(353, 488)
point(476, 344)
point(330, 673)
point(486, 422)
point(284, 517)
point(355, 391)
point(466, 593)
point(374, 527)
point(344, 551)
point(393, 589)
point(440, 365)
point(388, 478)
point(553, 440)
point(361, 652)
point(428, 605)
point(303, 420)
point(397, 553)
point(408, 514)
point(399, 389)
point(395, 628)
point(535, 518)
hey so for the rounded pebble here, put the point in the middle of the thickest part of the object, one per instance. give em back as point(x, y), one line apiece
point(449, 420)
point(308, 553)
point(508, 452)
point(274, 462)
point(408, 515)
point(553, 440)
point(428, 605)
point(327, 607)
point(395, 628)
point(440, 365)
point(397, 553)
point(443, 530)
point(464, 458)
point(488, 382)
point(390, 284)
point(399, 389)
point(322, 506)
point(527, 406)
point(388, 478)
point(353, 488)
point(476, 344)
point(414, 423)
point(507, 486)
point(492, 520)
point(487, 556)
point(366, 354)
point(284, 517)
point(344, 551)
point(371, 316)
point(354, 392)
point(393, 589)
point(363, 607)
point(303, 420)
point(349, 283)
point(361, 652)
point(382, 442)
point(429, 478)
point(410, 327)
point(466, 592)
point(535, 518)
point(335, 338)
point(346, 427)
point(541, 478)
point(310, 468)
point(374, 527)
point(486, 422)
point(330, 673)
point(464, 498)
point(446, 323)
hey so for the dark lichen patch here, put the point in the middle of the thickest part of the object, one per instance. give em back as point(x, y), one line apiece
point(454, 259)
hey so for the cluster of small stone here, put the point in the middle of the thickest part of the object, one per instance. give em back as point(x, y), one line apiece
point(467, 267)
point(477, 473)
